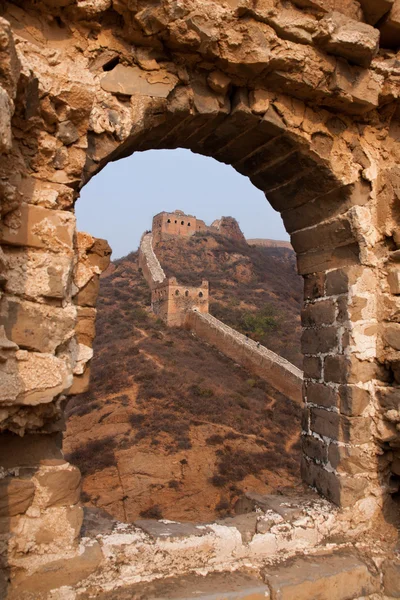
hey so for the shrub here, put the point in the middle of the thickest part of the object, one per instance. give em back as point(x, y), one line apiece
point(154, 512)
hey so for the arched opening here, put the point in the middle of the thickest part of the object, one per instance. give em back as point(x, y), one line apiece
point(248, 397)
point(298, 112)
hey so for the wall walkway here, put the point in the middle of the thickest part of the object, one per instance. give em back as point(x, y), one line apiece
point(149, 263)
point(271, 367)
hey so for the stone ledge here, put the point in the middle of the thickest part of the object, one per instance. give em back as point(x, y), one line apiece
point(330, 577)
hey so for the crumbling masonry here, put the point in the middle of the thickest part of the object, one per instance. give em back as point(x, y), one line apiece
point(301, 96)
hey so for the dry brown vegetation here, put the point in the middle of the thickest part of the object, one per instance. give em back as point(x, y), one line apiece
point(254, 289)
point(204, 428)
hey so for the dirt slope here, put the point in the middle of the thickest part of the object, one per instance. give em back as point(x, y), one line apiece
point(170, 427)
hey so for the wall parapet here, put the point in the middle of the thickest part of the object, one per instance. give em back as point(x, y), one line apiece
point(279, 372)
point(149, 263)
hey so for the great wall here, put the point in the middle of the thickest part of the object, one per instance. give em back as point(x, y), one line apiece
point(300, 96)
point(180, 305)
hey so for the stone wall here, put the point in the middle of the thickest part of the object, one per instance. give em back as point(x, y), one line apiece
point(299, 96)
point(172, 302)
point(271, 367)
point(149, 263)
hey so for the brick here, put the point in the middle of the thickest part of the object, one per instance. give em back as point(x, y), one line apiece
point(316, 341)
point(39, 227)
point(331, 577)
point(326, 235)
point(312, 366)
point(337, 282)
point(356, 430)
point(87, 296)
point(353, 400)
point(62, 486)
point(341, 490)
point(321, 394)
point(30, 450)
point(315, 448)
point(314, 286)
point(351, 460)
point(348, 369)
point(319, 313)
point(37, 326)
point(322, 260)
point(16, 496)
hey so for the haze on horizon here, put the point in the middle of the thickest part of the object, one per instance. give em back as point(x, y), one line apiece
point(119, 202)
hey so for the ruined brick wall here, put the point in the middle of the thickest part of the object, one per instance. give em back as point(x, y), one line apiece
point(271, 367)
point(299, 96)
point(172, 301)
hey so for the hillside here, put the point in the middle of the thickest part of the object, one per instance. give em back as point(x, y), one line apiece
point(254, 289)
point(170, 427)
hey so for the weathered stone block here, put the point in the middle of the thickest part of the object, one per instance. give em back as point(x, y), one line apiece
point(64, 572)
point(312, 366)
point(80, 383)
point(316, 341)
point(322, 395)
point(85, 327)
point(35, 326)
point(16, 496)
point(339, 280)
point(315, 448)
point(390, 28)
point(391, 578)
point(30, 450)
point(355, 430)
point(394, 281)
point(388, 397)
point(374, 10)
point(62, 486)
point(314, 286)
point(87, 296)
point(391, 335)
point(39, 227)
point(35, 274)
point(132, 80)
point(353, 400)
point(330, 577)
point(321, 260)
point(319, 313)
point(343, 369)
point(5, 121)
point(337, 232)
point(343, 491)
point(352, 40)
point(351, 460)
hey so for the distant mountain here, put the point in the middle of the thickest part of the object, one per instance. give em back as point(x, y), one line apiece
point(170, 427)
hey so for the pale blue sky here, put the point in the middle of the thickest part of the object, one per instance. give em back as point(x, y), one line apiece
point(119, 202)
